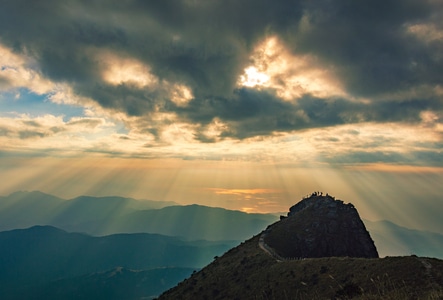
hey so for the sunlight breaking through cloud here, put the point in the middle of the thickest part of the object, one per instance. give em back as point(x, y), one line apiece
point(291, 76)
point(215, 103)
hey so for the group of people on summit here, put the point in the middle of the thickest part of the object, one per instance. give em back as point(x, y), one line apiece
point(315, 194)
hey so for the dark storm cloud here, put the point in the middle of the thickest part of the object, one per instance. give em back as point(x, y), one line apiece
point(251, 113)
point(207, 44)
point(369, 43)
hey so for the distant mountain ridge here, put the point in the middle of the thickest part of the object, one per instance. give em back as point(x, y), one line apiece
point(24, 209)
point(94, 216)
point(115, 284)
point(45, 252)
point(37, 259)
point(108, 215)
point(392, 239)
point(56, 261)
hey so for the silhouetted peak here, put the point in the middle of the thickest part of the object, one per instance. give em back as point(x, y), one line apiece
point(320, 226)
point(317, 200)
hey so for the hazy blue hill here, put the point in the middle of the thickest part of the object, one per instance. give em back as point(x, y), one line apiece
point(96, 215)
point(109, 215)
point(392, 240)
point(44, 253)
point(92, 210)
point(115, 202)
point(29, 198)
point(197, 222)
point(24, 209)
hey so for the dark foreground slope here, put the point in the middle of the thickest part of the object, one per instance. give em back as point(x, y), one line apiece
point(336, 259)
point(247, 272)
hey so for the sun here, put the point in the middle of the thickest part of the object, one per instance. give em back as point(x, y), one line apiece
point(253, 77)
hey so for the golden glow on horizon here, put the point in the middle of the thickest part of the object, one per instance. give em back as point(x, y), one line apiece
point(250, 187)
point(219, 191)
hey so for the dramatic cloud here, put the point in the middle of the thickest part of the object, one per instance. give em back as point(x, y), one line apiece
point(185, 73)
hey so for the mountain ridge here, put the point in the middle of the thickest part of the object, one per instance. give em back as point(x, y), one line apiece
point(42, 253)
point(389, 240)
point(335, 262)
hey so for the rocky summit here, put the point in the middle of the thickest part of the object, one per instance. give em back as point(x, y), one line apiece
point(319, 226)
point(320, 250)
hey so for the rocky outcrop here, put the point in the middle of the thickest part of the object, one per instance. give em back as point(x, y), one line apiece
point(320, 226)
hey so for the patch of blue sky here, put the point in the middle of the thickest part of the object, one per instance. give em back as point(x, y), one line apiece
point(121, 128)
point(22, 101)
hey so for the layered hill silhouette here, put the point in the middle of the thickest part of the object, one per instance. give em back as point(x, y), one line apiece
point(392, 240)
point(100, 216)
point(39, 257)
point(109, 215)
point(43, 260)
point(25, 209)
point(335, 258)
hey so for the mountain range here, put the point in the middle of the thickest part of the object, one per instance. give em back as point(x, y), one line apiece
point(100, 216)
point(118, 283)
point(108, 215)
point(392, 240)
point(40, 256)
point(95, 245)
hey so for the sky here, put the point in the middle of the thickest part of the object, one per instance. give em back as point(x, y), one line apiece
point(247, 105)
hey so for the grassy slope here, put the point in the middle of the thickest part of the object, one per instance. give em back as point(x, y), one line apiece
point(246, 272)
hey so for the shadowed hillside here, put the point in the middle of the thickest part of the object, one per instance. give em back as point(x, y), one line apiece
point(264, 267)
point(34, 258)
point(247, 272)
point(119, 283)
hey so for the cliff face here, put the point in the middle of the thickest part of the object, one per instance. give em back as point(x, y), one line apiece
point(320, 226)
